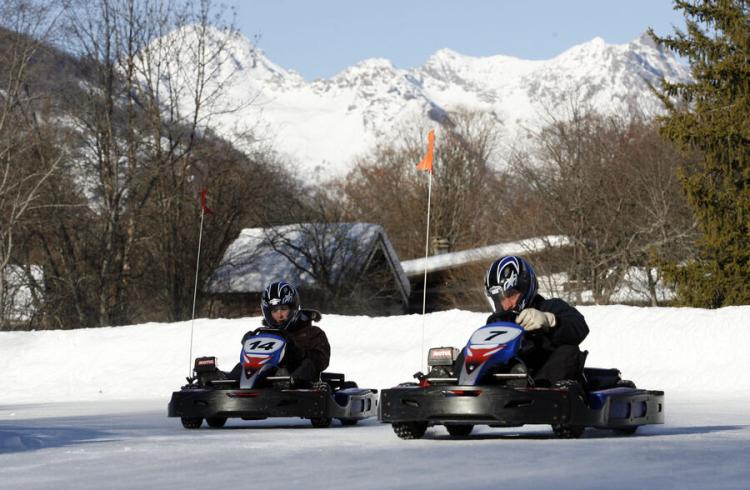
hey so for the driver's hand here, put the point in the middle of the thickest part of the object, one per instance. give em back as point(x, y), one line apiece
point(532, 319)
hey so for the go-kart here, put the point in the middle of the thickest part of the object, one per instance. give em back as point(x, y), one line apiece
point(265, 389)
point(492, 386)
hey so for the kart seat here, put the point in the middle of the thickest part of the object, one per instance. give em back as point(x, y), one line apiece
point(600, 379)
point(332, 377)
point(337, 381)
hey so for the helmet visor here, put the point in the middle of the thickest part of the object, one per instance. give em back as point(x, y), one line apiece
point(496, 295)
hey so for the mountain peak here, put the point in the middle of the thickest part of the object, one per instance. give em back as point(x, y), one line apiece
point(366, 72)
point(375, 64)
point(446, 54)
point(647, 41)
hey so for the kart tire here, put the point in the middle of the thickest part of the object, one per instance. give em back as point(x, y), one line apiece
point(191, 422)
point(348, 422)
point(626, 431)
point(216, 422)
point(568, 431)
point(321, 422)
point(410, 430)
point(460, 430)
point(625, 384)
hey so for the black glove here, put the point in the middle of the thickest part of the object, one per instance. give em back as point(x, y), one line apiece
point(294, 353)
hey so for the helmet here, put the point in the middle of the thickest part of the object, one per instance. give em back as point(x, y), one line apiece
point(278, 294)
point(507, 274)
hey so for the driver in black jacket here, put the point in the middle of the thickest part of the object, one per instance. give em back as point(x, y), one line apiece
point(554, 329)
point(307, 350)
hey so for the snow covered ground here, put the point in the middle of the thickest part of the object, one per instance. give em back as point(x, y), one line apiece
point(87, 409)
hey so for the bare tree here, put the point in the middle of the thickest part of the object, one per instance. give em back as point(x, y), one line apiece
point(610, 185)
point(387, 189)
point(25, 162)
point(469, 196)
point(137, 121)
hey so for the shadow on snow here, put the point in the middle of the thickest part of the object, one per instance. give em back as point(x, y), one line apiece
point(16, 438)
point(648, 431)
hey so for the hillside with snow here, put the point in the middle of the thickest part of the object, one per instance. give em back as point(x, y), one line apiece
point(322, 126)
point(679, 350)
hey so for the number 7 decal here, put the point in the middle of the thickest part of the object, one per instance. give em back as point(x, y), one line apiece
point(495, 333)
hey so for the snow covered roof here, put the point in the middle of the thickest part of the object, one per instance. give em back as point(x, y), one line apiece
point(260, 256)
point(490, 252)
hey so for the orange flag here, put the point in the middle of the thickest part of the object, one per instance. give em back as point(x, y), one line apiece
point(426, 163)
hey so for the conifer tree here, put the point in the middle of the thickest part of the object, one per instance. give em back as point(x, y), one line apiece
point(711, 115)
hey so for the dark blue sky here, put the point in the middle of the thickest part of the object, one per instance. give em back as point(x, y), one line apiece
point(320, 38)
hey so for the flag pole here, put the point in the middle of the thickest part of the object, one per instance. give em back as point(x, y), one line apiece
point(195, 290)
point(426, 254)
point(426, 164)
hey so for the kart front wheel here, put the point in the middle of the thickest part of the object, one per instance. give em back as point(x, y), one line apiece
point(348, 422)
point(460, 430)
point(410, 430)
point(626, 431)
point(191, 422)
point(320, 422)
point(216, 422)
point(568, 431)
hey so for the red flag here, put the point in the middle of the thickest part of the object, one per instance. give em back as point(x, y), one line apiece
point(205, 208)
point(426, 163)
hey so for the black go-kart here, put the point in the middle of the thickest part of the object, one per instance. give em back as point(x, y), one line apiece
point(265, 390)
point(492, 386)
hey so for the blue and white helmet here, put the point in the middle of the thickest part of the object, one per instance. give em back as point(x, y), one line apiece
point(506, 275)
point(278, 294)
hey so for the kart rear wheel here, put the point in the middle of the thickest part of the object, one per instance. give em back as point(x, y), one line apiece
point(410, 430)
point(460, 430)
point(191, 422)
point(216, 422)
point(321, 422)
point(348, 422)
point(568, 431)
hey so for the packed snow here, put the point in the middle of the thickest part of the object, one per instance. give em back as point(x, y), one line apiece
point(87, 409)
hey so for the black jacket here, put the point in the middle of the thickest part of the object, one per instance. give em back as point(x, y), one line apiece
point(308, 351)
point(570, 328)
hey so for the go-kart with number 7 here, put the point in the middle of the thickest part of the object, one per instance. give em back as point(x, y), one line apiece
point(492, 386)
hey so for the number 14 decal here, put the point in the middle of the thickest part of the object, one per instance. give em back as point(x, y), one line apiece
point(257, 345)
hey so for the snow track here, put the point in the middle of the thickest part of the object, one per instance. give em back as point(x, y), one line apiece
point(86, 409)
point(95, 445)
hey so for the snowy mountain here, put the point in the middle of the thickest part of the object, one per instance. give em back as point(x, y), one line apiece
point(323, 125)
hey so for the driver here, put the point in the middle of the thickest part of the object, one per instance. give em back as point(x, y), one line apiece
point(307, 350)
point(554, 329)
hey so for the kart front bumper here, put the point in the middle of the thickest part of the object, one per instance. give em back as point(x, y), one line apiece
point(501, 406)
point(352, 404)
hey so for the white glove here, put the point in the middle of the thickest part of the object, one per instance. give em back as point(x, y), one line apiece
point(533, 319)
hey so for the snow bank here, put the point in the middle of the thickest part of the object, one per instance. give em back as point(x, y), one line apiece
point(679, 350)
